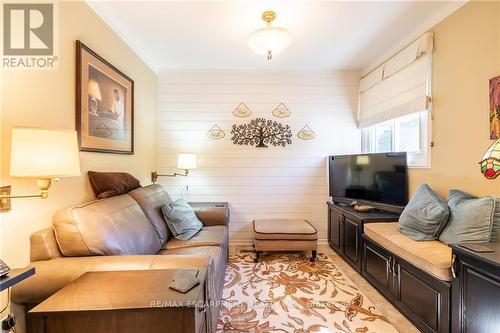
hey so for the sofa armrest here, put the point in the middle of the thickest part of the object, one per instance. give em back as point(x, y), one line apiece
point(52, 275)
point(43, 245)
point(211, 213)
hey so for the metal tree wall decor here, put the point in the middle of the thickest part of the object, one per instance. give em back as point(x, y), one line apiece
point(261, 132)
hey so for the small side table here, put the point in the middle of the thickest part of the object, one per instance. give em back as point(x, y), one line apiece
point(476, 290)
point(15, 276)
point(123, 302)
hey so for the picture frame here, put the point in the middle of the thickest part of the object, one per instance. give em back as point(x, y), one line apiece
point(495, 108)
point(104, 105)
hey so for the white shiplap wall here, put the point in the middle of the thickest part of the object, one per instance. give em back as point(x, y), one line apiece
point(257, 182)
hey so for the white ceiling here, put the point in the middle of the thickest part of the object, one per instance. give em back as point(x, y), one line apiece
point(326, 35)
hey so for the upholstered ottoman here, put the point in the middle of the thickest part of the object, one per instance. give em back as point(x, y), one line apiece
point(284, 235)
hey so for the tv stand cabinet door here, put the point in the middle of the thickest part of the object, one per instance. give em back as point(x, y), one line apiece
point(335, 217)
point(422, 298)
point(352, 246)
point(376, 268)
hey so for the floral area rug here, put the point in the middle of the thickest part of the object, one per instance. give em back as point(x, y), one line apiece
point(287, 293)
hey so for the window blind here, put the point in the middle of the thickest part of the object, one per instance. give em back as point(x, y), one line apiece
point(399, 86)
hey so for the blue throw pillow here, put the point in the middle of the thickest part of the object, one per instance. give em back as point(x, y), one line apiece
point(471, 218)
point(181, 219)
point(425, 216)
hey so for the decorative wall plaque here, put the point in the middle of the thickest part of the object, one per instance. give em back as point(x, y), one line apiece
point(216, 133)
point(261, 132)
point(242, 111)
point(282, 111)
point(306, 133)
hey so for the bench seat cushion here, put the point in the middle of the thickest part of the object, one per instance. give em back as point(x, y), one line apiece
point(284, 229)
point(433, 257)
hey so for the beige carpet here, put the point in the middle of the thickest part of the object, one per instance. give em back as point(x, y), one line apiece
point(287, 293)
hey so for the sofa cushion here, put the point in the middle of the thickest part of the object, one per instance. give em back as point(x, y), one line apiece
point(151, 198)
point(425, 216)
point(113, 226)
point(471, 218)
point(433, 257)
point(495, 229)
point(181, 219)
point(214, 252)
point(110, 184)
point(208, 236)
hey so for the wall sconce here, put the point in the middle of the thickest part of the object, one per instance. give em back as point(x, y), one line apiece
point(184, 161)
point(42, 154)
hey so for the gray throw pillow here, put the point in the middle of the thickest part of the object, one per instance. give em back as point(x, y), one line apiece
point(471, 218)
point(425, 216)
point(181, 219)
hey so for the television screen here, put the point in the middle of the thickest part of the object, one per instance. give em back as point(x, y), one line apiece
point(380, 177)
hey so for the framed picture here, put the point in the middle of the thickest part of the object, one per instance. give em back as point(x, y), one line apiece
point(104, 105)
point(495, 108)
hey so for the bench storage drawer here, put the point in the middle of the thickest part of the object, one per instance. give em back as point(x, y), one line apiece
point(421, 297)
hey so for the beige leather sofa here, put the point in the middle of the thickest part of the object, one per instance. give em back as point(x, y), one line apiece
point(126, 232)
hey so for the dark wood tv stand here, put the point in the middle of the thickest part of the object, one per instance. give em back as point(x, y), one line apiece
point(345, 227)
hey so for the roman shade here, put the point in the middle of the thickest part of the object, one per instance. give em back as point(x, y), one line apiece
point(399, 86)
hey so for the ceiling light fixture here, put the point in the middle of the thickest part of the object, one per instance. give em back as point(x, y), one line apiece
point(269, 40)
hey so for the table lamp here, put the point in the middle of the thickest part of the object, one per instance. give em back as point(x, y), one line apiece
point(184, 161)
point(94, 96)
point(42, 154)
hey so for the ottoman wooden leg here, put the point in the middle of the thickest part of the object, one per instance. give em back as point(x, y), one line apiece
point(313, 257)
point(257, 256)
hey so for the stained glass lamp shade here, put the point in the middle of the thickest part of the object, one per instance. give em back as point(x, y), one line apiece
point(490, 163)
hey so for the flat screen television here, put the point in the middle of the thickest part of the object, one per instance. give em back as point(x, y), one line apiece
point(372, 178)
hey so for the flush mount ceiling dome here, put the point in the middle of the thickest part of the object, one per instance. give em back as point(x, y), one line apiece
point(269, 40)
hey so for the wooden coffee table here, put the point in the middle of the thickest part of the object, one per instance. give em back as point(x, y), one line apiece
point(122, 301)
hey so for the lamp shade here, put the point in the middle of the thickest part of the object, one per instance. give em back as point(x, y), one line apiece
point(186, 161)
point(44, 153)
point(94, 90)
point(490, 163)
point(362, 160)
point(269, 40)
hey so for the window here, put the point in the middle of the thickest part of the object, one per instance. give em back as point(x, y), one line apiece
point(408, 133)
